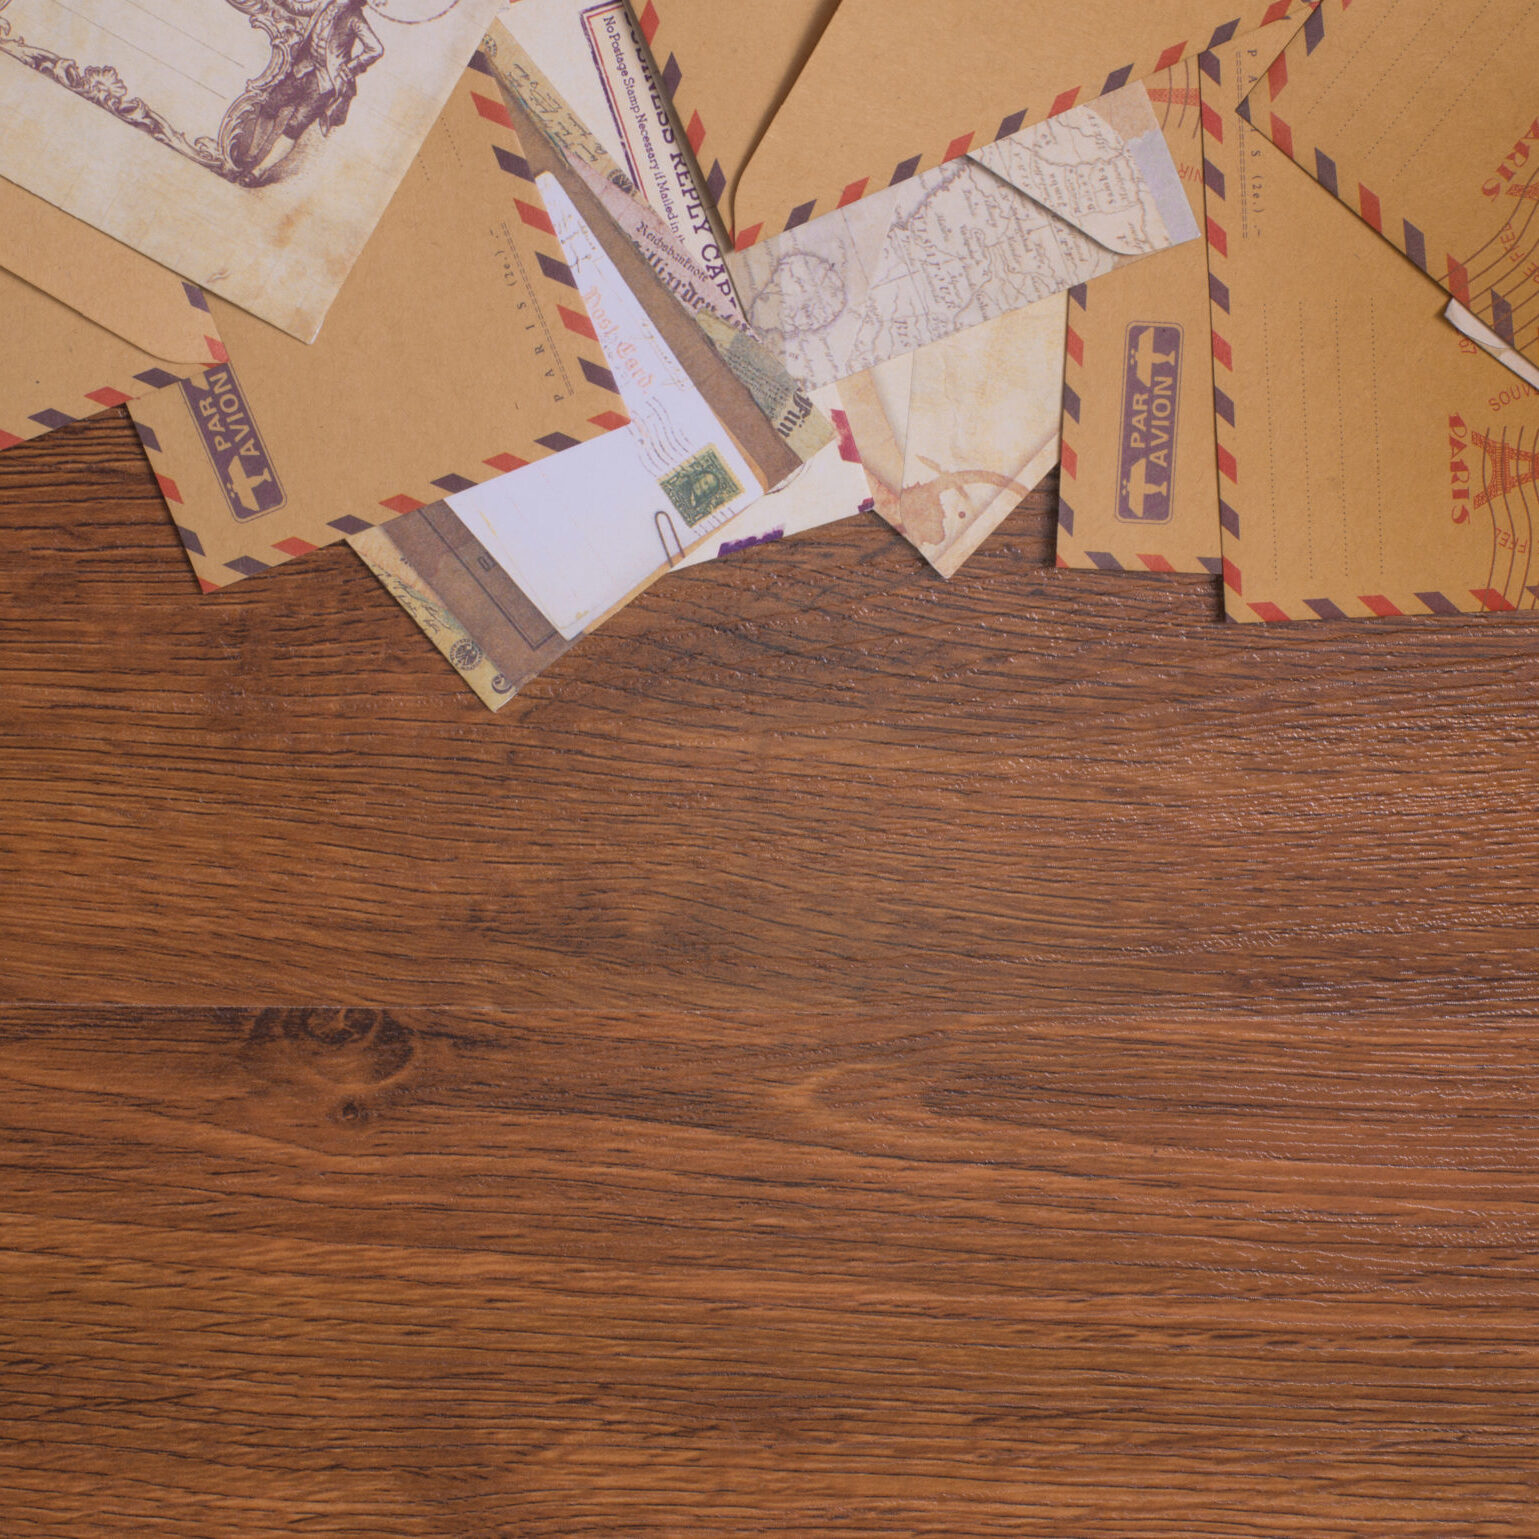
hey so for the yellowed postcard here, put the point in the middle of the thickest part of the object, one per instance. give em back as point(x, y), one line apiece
point(250, 145)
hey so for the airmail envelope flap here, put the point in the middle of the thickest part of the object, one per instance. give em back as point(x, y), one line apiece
point(894, 87)
point(136, 299)
point(728, 68)
point(1423, 118)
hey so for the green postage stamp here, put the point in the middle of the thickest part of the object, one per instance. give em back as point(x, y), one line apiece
point(700, 486)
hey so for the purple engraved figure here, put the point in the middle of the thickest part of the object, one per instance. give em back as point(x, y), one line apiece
point(319, 51)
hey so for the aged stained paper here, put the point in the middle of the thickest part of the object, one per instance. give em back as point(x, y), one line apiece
point(976, 432)
point(250, 145)
point(1106, 167)
point(963, 244)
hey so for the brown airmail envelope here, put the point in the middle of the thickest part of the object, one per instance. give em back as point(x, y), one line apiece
point(1423, 118)
point(795, 109)
point(89, 323)
point(459, 350)
point(1371, 460)
point(1139, 488)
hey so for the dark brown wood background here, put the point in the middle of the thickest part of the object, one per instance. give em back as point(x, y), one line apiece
point(844, 1053)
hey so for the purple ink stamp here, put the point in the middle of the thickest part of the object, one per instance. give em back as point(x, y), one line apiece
point(235, 448)
point(1151, 400)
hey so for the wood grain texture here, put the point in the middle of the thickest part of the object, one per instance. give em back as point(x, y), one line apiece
point(844, 1053)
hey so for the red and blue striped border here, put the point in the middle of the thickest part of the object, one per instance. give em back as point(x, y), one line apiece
point(672, 76)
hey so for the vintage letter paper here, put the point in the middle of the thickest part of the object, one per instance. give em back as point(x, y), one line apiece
point(250, 145)
point(956, 434)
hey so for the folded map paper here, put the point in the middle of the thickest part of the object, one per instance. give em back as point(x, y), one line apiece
point(250, 145)
point(963, 244)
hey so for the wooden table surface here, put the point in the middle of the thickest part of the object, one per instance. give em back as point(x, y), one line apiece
point(845, 1053)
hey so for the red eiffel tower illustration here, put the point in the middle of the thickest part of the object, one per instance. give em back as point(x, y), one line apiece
point(1512, 468)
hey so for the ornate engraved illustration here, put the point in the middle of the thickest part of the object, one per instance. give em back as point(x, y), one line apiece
point(319, 50)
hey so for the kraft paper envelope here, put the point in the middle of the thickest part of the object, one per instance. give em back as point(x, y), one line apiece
point(1423, 117)
point(458, 351)
point(800, 107)
point(89, 323)
point(1139, 488)
point(1371, 460)
point(251, 146)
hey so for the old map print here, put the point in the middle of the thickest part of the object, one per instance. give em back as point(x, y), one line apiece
point(251, 145)
point(956, 246)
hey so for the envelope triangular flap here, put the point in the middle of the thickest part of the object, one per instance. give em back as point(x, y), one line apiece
point(109, 283)
point(894, 87)
point(728, 72)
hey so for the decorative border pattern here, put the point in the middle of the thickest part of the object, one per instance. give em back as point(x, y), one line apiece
point(103, 87)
